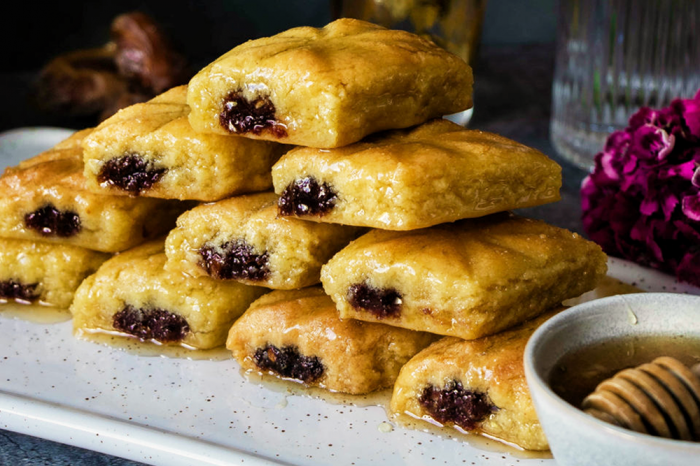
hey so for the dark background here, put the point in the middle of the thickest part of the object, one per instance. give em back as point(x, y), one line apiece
point(34, 32)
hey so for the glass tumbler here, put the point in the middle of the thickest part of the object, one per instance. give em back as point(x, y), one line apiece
point(613, 57)
point(454, 25)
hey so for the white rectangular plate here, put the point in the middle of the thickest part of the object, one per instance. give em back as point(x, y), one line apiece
point(183, 412)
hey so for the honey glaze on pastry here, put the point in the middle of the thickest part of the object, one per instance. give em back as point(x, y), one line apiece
point(34, 271)
point(47, 198)
point(475, 386)
point(298, 335)
point(434, 173)
point(243, 238)
point(132, 295)
point(150, 149)
point(466, 279)
point(328, 87)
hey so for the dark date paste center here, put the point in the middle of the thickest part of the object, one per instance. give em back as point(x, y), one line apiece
point(307, 196)
point(456, 405)
point(240, 115)
point(380, 302)
point(151, 324)
point(131, 173)
point(10, 289)
point(234, 260)
point(49, 221)
point(288, 362)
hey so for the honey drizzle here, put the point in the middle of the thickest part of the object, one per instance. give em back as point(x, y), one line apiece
point(34, 313)
point(608, 286)
point(382, 399)
point(151, 348)
point(475, 439)
point(45, 315)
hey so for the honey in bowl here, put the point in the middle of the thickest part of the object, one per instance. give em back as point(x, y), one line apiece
point(584, 378)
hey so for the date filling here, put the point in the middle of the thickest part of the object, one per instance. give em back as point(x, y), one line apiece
point(151, 324)
point(49, 221)
point(10, 289)
point(380, 302)
point(288, 362)
point(307, 196)
point(234, 260)
point(239, 115)
point(130, 173)
point(456, 405)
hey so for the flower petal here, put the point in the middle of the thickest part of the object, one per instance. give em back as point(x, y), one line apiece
point(691, 116)
point(695, 180)
point(650, 142)
point(691, 207)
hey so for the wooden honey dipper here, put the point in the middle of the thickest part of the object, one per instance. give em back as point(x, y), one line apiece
point(660, 398)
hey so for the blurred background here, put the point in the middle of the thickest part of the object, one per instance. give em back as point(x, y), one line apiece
point(202, 31)
point(205, 30)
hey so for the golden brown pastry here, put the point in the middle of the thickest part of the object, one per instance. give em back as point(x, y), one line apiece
point(298, 335)
point(474, 386)
point(243, 239)
point(151, 150)
point(35, 271)
point(403, 180)
point(132, 295)
point(46, 198)
point(466, 279)
point(328, 87)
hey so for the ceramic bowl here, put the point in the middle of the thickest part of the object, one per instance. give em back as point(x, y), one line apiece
point(577, 438)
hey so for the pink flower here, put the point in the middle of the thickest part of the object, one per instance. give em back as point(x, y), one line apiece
point(691, 115)
point(642, 198)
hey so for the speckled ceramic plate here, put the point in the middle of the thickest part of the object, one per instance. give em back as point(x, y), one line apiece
point(22, 143)
point(182, 412)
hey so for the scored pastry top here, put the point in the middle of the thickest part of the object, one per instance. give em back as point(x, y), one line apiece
point(407, 179)
point(61, 166)
point(328, 87)
point(466, 279)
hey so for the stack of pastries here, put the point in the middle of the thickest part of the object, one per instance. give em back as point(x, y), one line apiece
point(429, 284)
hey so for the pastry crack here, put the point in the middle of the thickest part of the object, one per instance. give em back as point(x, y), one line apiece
point(234, 260)
point(151, 324)
point(131, 173)
point(380, 302)
point(240, 115)
point(454, 404)
point(50, 221)
point(287, 361)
